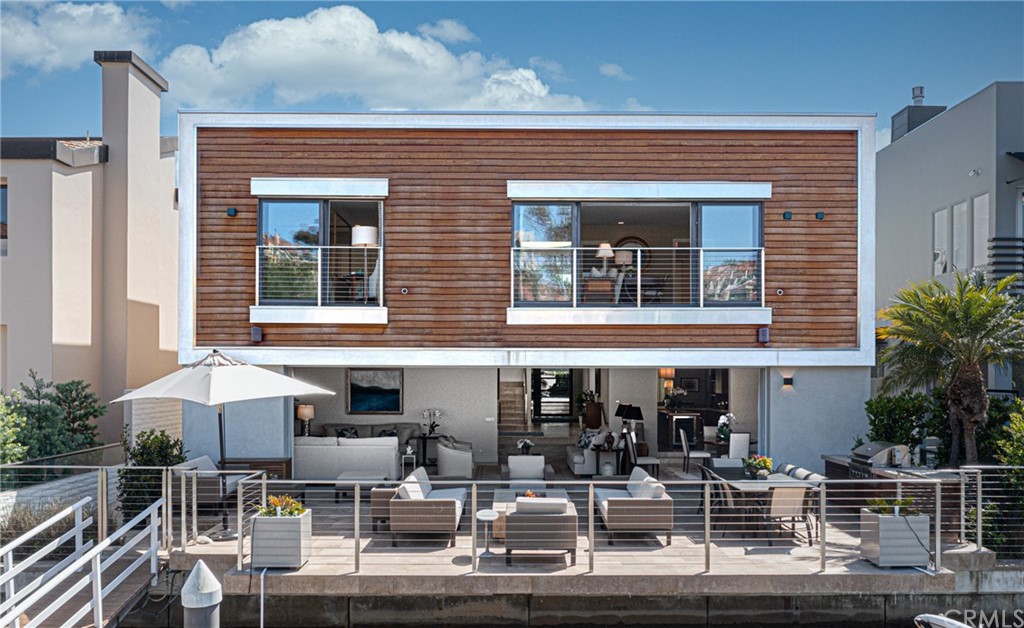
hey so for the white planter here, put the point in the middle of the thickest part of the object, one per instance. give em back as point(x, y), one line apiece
point(282, 542)
point(894, 541)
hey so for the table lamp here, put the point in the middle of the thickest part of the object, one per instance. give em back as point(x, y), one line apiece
point(604, 253)
point(365, 238)
point(305, 414)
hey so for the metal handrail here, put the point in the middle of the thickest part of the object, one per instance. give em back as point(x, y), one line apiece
point(322, 270)
point(68, 454)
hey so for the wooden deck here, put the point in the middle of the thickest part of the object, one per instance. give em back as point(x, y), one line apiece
point(116, 603)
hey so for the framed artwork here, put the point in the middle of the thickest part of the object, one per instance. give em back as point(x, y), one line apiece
point(636, 243)
point(374, 391)
point(690, 384)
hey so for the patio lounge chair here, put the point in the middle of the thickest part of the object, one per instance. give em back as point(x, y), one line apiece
point(417, 507)
point(541, 524)
point(642, 506)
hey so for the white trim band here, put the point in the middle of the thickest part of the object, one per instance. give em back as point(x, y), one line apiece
point(610, 190)
point(318, 315)
point(318, 187)
point(638, 316)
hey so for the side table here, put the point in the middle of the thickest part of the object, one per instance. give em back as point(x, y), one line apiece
point(487, 516)
point(409, 459)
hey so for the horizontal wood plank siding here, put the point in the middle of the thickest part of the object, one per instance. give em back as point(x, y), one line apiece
point(447, 228)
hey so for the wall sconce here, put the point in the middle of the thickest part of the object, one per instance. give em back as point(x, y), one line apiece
point(787, 381)
point(787, 215)
point(232, 212)
point(305, 413)
point(819, 216)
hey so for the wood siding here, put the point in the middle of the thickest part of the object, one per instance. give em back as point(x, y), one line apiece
point(447, 228)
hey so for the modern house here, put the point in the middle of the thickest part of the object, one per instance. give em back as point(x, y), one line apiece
point(727, 260)
point(89, 246)
point(951, 192)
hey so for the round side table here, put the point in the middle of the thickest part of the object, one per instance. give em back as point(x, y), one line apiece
point(487, 516)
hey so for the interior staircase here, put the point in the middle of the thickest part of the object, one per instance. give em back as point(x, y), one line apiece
point(512, 407)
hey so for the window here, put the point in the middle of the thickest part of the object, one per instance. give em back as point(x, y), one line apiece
point(731, 237)
point(544, 233)
point(940, 242)
point(961, 236)
point(980, 210)
point(3, 219)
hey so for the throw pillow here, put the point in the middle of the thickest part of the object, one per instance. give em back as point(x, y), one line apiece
point(388, 430)
point(650, 489)
point(586, 439)
point(348, 431)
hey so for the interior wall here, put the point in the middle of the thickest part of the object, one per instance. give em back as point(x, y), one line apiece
point(743, 391)
point(638, 387)
point(468, 398)
point(822, 413)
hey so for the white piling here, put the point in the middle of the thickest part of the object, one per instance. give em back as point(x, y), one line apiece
point(201, 596)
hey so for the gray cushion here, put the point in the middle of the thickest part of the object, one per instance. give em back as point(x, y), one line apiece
point(541, 505)
point(458, 494)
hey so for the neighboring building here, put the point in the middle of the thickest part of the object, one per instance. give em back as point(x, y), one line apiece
point(742, 258)
point(951, 192)
point(89, 256)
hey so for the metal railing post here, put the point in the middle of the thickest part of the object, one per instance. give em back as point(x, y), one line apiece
point(707, 526)
point(978, 514)
point(822, 524)
point(101, 504)
point(639, 273)
point(184, 509)
point(238, 527)
point(79, 541)
point(195, 506)
point(263, 490)
point(963, 508)
point(167, 520)
point(475, 562)
point(938, 526)
point(761, 253)
point(512, 273)
point(258, 273)
point(899, 489)
point(154, 545)
point(97, 591)
point(700, 276)
point(355, 524)
point(9, 585)
point(575, 278)
point(320, 278)
point(591, 548)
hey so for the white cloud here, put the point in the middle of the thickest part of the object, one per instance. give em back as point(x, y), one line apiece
point(49, 37)
point(632, 104)
point(447, 30)
point(339, 52)
point(882, 137)
point(615, 71)
point(548, 68)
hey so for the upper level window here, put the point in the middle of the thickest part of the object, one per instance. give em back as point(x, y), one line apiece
point(940, 242)
point(319, 252)
point(3, 219)
point(961, 236)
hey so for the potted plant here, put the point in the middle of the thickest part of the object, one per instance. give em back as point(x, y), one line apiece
point(892, 534)
point(758, 466)
point(282, 532)
point(724, 427)
point(525, 445)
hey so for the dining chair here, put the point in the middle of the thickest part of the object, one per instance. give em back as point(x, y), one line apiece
point(687, 454)
point(710, 439)
point(727, 505)
point(739, 444)
point(652, 464)
point(787, 503)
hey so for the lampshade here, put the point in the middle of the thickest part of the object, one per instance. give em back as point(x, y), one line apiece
point(667, 373)
point(634, 413)
point(364, 236)
point(668, 384)
point(621, 410)
point(604, 250)
point(305, 412)
point(623, 258)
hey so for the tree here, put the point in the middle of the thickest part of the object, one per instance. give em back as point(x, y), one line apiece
point(944, 336)
point(12, 422)
point(81, 409)
point(57, 420)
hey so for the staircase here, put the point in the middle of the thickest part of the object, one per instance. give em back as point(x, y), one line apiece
point(512, 407)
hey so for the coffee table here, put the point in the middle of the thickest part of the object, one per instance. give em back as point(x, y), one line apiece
point(505, 502)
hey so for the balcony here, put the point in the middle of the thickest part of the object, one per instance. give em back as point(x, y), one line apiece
point(588, 285)
point(319, 284)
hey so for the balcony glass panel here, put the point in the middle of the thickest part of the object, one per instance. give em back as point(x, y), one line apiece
point(326, 276)
point(542, 276)
point(732, 276)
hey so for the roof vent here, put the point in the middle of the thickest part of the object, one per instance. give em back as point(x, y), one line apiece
point(918, 93)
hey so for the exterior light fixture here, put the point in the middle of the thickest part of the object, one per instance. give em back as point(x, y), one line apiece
point(820, 216)
point(787, 215)
point(787, 381)
point(232, 212)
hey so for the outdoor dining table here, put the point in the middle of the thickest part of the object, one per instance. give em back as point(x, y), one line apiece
point(765, 486)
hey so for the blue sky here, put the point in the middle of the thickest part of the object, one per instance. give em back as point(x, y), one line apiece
point(670, 56)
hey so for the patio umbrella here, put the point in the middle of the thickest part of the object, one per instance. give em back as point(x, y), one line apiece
point(218, 379)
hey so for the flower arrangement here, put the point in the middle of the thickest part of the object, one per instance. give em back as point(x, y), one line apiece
point(758, 463)
point(891, 505)
point(529, 493)
point(432, 416)
point(281, 506)
point(725, 426)
point(674, 398)
point(524, 444)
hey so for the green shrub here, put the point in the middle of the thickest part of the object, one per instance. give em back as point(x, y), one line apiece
point(12, 422)
point(58, 419)
point(899, 419)
point(138, 488)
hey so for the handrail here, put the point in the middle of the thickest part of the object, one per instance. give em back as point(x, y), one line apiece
point(94, 556)
point(67, 454)
point(310, 260)
point(42, 526)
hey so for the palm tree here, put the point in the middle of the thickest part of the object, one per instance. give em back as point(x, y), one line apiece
point(944, 336)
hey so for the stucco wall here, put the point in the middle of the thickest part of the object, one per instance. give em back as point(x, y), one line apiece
point(638, 387)
point(743, 391)
point(822, 413)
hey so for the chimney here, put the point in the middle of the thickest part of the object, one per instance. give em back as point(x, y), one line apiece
point(913, 116)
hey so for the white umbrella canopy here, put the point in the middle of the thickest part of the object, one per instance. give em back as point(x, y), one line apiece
point(218, 379)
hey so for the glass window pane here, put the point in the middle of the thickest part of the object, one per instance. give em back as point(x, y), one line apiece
point(961, 237)
point(542, 225)
point(543, 276)
point(981, 230)
point(730, 226)
point(940, 235)
point(290, 223)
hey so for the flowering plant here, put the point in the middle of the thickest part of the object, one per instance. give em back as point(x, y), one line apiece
point(725, 426)
point(524, 445)
point(280, 506)
point(758, 463)
point(432, 416)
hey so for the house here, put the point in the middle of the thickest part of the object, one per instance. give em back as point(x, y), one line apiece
point(89, 236)
point(951, 192)
point(723, 260)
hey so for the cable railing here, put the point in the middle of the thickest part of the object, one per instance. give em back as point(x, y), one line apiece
point(637, 278)
point(319, 275)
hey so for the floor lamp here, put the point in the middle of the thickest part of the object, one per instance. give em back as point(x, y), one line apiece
point(365, 238)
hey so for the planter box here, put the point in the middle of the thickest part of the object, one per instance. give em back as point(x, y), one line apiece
point(282, 542)
point(894, 541)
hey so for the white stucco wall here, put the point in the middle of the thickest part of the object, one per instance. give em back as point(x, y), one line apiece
point(638, 387)
point(744, 385)
point(822, 413)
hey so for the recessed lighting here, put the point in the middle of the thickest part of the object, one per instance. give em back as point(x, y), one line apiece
point(621, 223)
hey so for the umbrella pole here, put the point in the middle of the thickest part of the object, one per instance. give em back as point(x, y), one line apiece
point(226, 534)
